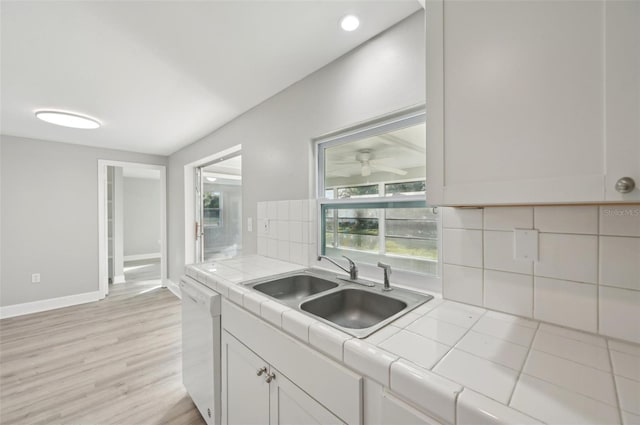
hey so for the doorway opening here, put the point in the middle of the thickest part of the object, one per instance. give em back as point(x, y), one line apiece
point(218, 209)
point(132, 224)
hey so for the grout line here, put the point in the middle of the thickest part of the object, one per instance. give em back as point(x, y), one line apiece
point(526, 358)
point(615, 382)
point(454, 345)
point(598, 256)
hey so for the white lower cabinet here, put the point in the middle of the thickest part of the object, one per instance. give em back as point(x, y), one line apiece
point(305, 386)
point(245, 395)
point(292, 406)
point(254, 392)
point(397, 412)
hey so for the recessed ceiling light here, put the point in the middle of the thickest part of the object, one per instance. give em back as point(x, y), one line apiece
point(67, 119)
point(211, 179)
point(350, 23)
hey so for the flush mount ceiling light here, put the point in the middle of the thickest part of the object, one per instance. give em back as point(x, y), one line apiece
point(349, 22)
point(211, 179)
point(67, 119)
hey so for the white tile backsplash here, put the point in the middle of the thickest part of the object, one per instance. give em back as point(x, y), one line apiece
point(567, 219)
point(568, 257)
point(465, 284)
point(283, 210)
point(272, 210)
point(621, 220)
point(286, 230)
point(578, 245)
point(283, 251)
point(566, 303)
point(620, 262)
point(295, 231)
point(462, 218)
point(508, 218)
point(509, 292)
point(462, 247)
point(620, 313)
point(498, 253)
point(295, 210)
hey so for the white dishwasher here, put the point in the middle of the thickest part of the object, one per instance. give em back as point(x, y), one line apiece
point(201, 347)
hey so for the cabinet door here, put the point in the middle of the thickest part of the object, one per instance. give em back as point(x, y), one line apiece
point(245, 395)
point(292, 406)
point(522, 97)
point(396, 412)
point(623, 97)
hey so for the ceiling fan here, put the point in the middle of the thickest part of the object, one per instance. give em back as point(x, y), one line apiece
point(368, 164)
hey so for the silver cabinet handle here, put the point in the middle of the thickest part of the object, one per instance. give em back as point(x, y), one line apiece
point(625, 185)
point(270, 377)
point(261, 371)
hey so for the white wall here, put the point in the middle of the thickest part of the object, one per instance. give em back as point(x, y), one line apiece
point(49, 217)
point(382, 75)
point(141, 216)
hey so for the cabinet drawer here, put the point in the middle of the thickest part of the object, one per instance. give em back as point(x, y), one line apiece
point(334, 386)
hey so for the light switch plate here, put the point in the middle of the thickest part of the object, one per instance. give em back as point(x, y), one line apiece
point(525, 244)
point(249, 224)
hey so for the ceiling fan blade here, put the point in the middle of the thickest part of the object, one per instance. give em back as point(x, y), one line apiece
point(389, 169)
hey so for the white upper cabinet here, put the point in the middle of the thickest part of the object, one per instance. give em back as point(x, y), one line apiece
point(532, 101)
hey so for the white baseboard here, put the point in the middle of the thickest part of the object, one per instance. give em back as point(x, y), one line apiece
point(137, 257)
point(50, 304)
point(174, 288)
point(119, 279)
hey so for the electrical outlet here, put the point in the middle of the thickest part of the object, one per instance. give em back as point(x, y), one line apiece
point(35, 278)
point(249, 224)
point(525, 244)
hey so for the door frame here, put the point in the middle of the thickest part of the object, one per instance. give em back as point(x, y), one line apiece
point(190, 200)
point(103, 241)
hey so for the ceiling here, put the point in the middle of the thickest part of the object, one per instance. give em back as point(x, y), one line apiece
point(402, 149)
point(159, 75)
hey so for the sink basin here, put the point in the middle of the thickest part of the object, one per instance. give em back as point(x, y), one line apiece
point(354, 308)
point(344, 304)
point(295, 288)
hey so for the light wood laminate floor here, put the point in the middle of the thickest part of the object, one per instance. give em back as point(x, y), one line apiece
point(115, 361)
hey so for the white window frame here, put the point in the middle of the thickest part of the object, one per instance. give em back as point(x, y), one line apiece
point(395, 121)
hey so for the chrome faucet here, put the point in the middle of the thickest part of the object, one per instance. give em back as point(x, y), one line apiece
point(387, 273)
point(353, 269)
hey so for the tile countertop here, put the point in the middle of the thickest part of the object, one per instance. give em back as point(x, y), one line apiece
point(464, 364)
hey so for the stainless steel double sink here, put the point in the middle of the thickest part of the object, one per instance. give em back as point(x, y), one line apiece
point(351, 307)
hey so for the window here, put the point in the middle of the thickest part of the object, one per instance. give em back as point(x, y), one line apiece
point(374, 207)
point(211, 208)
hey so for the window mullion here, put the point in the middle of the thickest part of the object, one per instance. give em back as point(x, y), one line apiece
point(382, 231)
